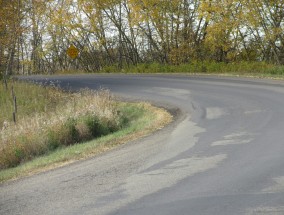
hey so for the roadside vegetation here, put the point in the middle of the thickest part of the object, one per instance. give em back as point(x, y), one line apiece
point(243, 69)
point(257, 69)
point(50, 121)
point(185, 36)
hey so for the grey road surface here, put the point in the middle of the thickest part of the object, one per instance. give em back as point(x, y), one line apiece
point(223, 155)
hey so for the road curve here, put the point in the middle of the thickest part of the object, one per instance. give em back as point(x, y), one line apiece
point(224, 154)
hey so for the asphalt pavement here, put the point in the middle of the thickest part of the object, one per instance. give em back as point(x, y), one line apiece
point(223, 155)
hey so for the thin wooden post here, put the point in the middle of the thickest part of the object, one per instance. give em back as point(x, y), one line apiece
point(15, 104)
point(12, 91)
point(14, 117)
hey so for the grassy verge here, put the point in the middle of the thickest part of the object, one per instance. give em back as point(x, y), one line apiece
point(74, 127)
point(143, 119)
point(250, 69)
point(208, 67)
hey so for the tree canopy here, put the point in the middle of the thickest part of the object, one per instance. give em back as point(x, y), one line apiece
point(35, 34)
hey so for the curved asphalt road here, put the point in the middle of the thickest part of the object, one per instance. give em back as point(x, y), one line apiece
point(223, 155)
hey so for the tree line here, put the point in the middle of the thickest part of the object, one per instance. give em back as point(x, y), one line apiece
point(35, 34)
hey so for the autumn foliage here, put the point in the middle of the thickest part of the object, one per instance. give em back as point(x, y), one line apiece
point(35, 34)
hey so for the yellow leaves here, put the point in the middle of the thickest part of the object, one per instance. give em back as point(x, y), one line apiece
point(39, 7)
point(10, 23)
point(181, 54)
point(273, 33)
point(91, 7)
point(218, 36)
point(61, 16)
point(154, 10)
point(219, 10)
point(104, 4)
point(265, 17)
point(87, 7)
point(224, 18)
point(141, 10)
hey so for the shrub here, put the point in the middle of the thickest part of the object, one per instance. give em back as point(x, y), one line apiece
point(109, 69)
point(96, 126)
point(52, 140)
point(277, 70)
point(70, 131)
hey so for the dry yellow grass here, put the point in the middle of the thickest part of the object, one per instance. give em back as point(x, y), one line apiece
point(32, 136)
